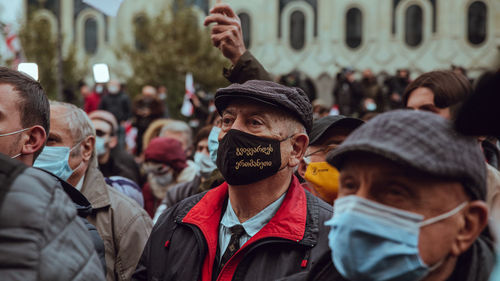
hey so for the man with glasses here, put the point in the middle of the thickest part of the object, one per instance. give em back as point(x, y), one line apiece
point(326, 134)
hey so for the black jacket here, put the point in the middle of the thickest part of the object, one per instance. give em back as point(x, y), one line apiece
point(293, 245)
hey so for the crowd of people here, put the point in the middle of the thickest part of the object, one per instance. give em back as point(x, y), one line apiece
point(399, 184)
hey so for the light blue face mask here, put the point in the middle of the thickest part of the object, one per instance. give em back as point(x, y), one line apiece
point(54, 159)
point(207, 166)
point(372, 241)
point(100, 146)
point(213, 143)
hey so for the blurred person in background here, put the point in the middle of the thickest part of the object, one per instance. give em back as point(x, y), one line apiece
point(208, 178)
point(90, 98)
point(397, 86)
point(146, 109)
point(320, 109)
point(371, 90)
point(162, 94)
point(165, 166)
point(70, 153)
point(127, 187)
point(180, 131)
point(113, 160)
point(327, 133)
point(116, 101)
point(347, 93)
point(153, 131)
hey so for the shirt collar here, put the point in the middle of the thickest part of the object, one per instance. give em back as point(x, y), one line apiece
point(254, 224)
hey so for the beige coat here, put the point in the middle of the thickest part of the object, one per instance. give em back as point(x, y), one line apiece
point(123, 225)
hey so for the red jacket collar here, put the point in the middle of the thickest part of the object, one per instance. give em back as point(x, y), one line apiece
point(289, 222)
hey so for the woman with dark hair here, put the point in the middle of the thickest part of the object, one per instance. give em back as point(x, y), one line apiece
point(442, 92)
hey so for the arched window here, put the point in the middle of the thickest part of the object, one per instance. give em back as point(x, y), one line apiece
point(297, 30)
point(353, 28)
point(140, 23)
point(476, 23)
point(245, 28)
point(414, 26)
point(90, 39)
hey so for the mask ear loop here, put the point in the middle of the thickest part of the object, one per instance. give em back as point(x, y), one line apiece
point(13, 133)
point(444, 216)
point(289, 137)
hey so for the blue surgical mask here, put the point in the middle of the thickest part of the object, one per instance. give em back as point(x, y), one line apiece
point(213, 143)
point(372, 241)
point(54, 159)
point(100, 146)
point(207, 166)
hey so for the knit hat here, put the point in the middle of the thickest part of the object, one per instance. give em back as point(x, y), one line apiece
point(168, 151)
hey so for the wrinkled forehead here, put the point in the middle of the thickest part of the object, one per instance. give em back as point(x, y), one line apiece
point(248, 106)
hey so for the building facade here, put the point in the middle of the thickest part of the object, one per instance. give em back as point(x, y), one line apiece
point(315, 38)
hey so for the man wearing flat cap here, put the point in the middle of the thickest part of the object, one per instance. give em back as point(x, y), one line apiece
point(411, 202)
point(260, 224)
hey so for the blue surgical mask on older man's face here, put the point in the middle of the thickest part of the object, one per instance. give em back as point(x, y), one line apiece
point(100, 146)
point(372, 241)
point(213, 143)
point(54, 159)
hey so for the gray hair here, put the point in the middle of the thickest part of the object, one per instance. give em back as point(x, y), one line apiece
point(181, 127)
point(78, 122)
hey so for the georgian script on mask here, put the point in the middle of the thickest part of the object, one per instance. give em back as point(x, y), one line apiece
point(251, 151)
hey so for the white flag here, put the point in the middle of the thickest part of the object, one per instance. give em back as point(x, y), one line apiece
point(109, 7)
point(187, 108)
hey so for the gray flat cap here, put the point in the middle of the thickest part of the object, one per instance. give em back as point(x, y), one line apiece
point(422, 141)
point(291, 100)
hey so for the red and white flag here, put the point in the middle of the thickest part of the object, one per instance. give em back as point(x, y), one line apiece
point(187, 107)
point(13, 44)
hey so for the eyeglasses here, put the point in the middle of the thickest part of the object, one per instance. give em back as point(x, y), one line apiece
point(324, 149)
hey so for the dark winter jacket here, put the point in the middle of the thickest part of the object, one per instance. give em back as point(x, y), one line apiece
point(118, 104)
point(294, 244)
point(247, 68)
point(41, 236)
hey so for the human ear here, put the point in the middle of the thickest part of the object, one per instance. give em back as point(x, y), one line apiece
point(35, 141)
point(88, 145)
point(113, 142)
point(299, 146)
point(475, 219)
point(302, 168)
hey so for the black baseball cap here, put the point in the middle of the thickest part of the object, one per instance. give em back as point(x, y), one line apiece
point(322, 125)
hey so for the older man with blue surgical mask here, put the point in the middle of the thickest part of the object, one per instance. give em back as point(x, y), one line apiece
point(70, 154)
point(411, 202)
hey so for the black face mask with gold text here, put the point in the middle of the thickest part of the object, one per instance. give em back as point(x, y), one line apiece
point(244, 158)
